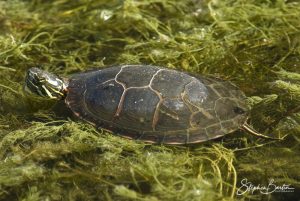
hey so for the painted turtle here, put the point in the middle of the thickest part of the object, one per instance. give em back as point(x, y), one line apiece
point(148, 103)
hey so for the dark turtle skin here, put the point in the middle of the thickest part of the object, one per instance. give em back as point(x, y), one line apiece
point(157, 105)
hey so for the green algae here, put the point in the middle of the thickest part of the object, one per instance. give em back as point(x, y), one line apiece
point(45, 154)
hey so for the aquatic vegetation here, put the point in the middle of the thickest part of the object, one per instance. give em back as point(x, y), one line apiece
point(45, 153)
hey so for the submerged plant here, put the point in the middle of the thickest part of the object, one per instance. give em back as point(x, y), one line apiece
point(45, 153)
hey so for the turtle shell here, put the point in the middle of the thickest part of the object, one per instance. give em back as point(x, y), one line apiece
point(156, 104)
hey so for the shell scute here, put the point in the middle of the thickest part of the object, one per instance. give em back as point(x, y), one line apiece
point(173, 115)
point(102, 100)
point(138, 109)
point(165, 78)
point(131, 80)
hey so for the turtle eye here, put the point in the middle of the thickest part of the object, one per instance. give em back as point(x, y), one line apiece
point(238, 110)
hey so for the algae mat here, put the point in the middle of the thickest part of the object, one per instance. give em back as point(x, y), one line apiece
point(46, 154)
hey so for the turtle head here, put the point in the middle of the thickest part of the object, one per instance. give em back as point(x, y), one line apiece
point(44, 84)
